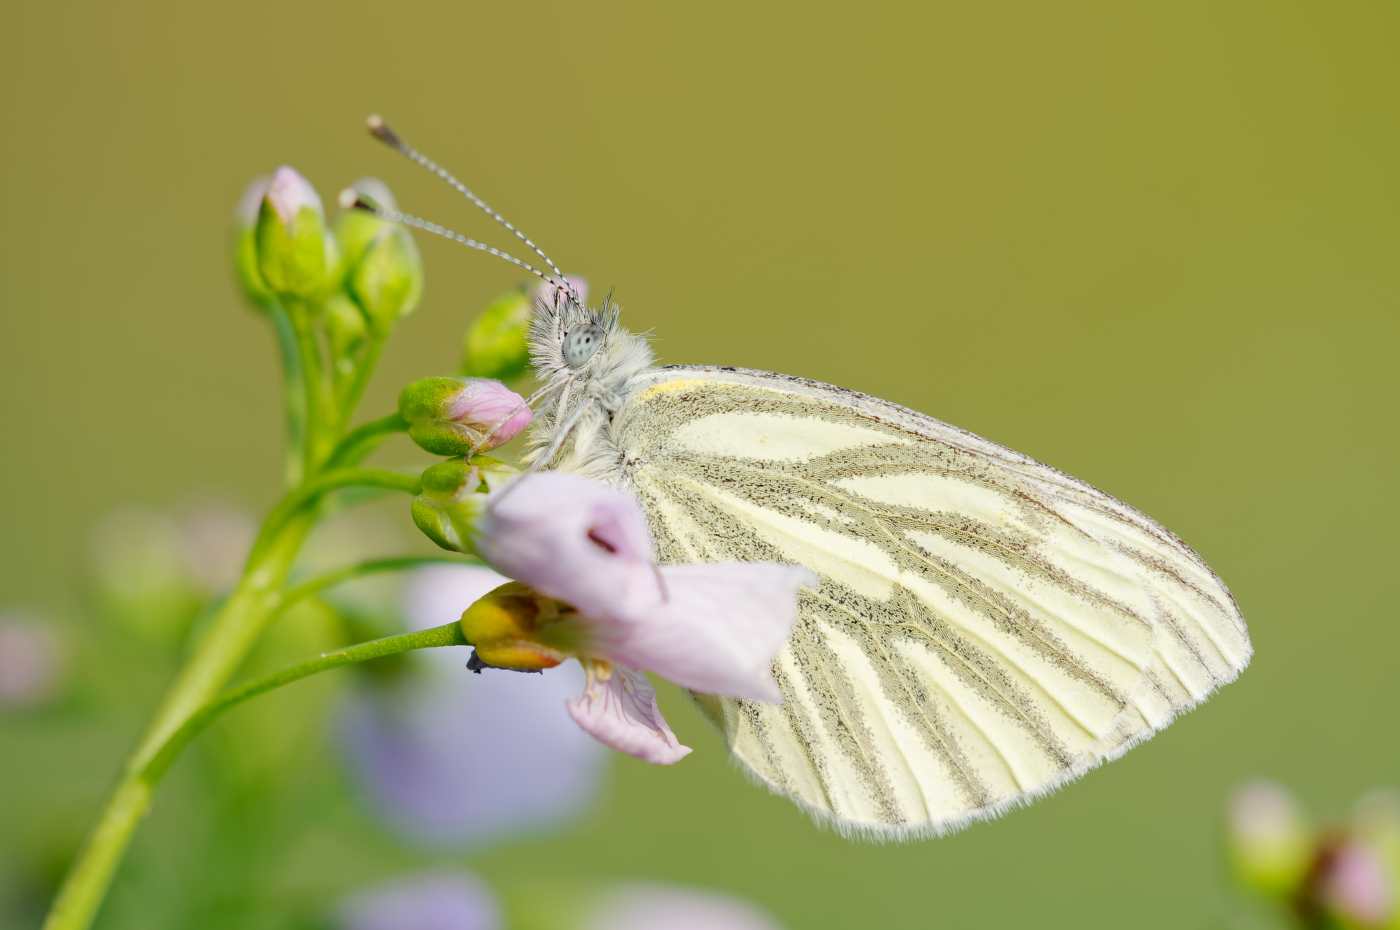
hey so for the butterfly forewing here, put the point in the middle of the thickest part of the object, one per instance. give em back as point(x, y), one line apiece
point(985, 627)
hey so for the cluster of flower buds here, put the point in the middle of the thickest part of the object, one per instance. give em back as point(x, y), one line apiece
point(364, 276)
point(1343, 876)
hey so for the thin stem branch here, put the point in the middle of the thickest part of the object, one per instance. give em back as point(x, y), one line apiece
point(449, 634)
point(294, 395)
point(364, 439)
point(310, 493)
point(363, 569)
point(347, 401)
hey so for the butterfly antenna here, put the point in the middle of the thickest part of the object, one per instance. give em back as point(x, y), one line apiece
point(381, 131)
point(351, 199)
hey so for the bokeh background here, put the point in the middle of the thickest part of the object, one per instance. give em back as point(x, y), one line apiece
point(1154, 245)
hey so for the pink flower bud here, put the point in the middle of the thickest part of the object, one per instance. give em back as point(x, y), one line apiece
point(289, 192)
point(447, 416)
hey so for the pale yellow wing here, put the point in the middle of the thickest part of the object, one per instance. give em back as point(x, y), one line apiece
point(986, 627)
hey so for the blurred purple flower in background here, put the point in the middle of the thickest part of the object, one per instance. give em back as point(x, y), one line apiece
point(446, 900)
point(458, 900)
point(31, 660)
point(646, 906)
point(456, 759)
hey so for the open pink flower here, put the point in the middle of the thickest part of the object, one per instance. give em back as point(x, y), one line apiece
point(590, 589)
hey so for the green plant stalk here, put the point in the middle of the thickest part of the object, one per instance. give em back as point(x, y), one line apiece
point(364, 370)
point(294, 395)
point(245, 615)
point(227, 644)
point(321, 416)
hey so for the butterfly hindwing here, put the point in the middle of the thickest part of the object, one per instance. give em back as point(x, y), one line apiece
point(985, 627)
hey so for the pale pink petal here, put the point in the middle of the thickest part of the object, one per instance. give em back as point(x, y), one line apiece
point(246, 213)
point(718, 629)
point(574, 539)
point(289, 192)
point(621, 711)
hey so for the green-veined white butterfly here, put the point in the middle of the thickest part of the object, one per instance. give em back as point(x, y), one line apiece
point(986, 627)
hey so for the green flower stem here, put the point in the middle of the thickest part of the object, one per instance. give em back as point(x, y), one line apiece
point(228, 642)
point(449, 634)
point(232, 635)
point(363, 440)
point(320, 415)
point(294, 394)
point(347, 402)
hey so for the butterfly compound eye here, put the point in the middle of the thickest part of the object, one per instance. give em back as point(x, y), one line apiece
point(581, 342)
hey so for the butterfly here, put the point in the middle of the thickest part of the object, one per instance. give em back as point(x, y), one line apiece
point(985, 629)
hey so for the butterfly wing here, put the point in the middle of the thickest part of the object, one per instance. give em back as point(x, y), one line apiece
point(986, 628)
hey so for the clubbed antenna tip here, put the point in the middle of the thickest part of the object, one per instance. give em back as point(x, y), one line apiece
point(351, 199)
point(381, 131)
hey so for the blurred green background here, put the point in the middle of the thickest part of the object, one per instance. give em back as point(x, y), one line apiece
point(1173, 228)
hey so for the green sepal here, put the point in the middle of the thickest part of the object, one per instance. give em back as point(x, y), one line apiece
point(424, 405)
point(497, 343)
point(245, 268)
point(435, 525)
point(426, 398)
point(296, 262)
point(450, 482)
point(443, 437)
